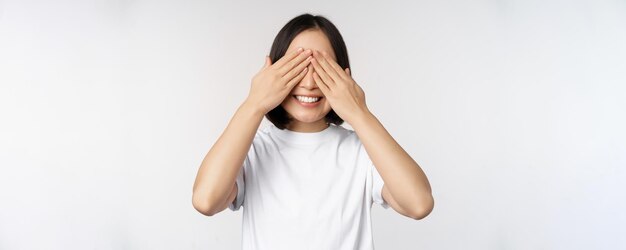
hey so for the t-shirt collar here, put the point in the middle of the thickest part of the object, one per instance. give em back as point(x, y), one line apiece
point(303, 137)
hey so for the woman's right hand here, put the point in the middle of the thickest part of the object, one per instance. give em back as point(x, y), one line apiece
point(274, 82)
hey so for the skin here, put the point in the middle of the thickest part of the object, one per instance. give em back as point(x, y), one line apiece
point(406, 188)
point(308, 119)
point(310, 71)
point(215, 185)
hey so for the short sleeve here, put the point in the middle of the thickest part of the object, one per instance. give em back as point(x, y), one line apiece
point(377, 187)
point(241, 187)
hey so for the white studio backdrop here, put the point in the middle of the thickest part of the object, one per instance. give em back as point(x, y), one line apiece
point(514, 109)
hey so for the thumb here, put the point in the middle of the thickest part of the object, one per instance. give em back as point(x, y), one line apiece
point(268, 62)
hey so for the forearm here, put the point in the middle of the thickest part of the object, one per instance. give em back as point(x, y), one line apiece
point(218, 171)
point(403, 177)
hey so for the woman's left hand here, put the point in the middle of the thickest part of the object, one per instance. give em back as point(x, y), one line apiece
point(345, 96)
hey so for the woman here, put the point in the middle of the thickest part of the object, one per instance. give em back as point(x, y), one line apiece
point(305, 182)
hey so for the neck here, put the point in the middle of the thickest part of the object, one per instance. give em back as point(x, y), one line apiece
point(307, 127)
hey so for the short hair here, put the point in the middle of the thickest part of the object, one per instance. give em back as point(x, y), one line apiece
point(279, 116)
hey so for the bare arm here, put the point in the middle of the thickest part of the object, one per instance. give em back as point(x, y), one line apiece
point(215, 185)
point(406, 186)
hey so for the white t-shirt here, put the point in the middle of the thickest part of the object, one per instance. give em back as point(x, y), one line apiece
point(307, 191)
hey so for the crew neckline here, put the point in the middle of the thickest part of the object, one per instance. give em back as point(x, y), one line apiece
point(305, 138)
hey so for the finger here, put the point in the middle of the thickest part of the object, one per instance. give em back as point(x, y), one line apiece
point(297, 79)
point(287, 58)
point(322, 73)
point(330, 71)
point(295, 71)
point(294, 62)
point(334, 65)
point(348, 71)
point(325, 89)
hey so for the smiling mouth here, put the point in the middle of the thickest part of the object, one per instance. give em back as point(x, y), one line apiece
point(305, 99)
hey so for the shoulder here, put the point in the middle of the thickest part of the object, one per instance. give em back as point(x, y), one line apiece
point(348, 138)
point(352, 141)
point(262, 133)
point(348, 134)
point(261, 140)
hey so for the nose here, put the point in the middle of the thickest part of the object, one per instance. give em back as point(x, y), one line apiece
point(307, 81)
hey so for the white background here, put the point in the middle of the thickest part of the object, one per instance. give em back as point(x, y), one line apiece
point(514, 109)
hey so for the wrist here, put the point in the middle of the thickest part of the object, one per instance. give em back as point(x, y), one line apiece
point(362, 119)
point(252, 108)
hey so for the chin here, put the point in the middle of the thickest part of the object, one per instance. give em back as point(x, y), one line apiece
point(307, 118)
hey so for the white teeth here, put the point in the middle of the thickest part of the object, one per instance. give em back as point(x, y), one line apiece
point(307, 99)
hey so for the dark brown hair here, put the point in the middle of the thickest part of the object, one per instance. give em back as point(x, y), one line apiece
point(279, 116)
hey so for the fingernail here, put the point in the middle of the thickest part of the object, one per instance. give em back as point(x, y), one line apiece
point(299, 49)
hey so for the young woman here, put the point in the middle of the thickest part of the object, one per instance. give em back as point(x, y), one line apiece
point(305, 182)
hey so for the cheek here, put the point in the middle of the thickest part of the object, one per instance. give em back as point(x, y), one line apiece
point(288, 100)
point(327, 106)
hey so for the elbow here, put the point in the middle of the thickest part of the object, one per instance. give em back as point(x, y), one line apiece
point(203, 209)
point(423, 209)
point(202, 206)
